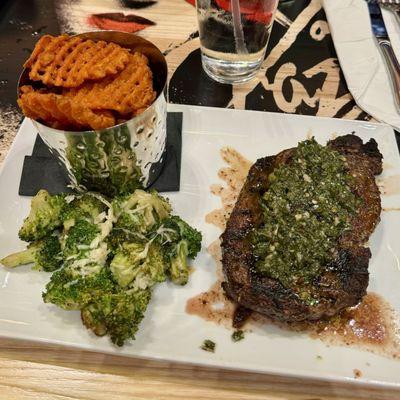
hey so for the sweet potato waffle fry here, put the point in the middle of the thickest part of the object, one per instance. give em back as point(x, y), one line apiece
point(60, 112)
point(69, 61)
point(114, 85)
point(128, 93)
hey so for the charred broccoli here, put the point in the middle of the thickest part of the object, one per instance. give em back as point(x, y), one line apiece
point(44, 216)
point(140, 211)
point(72, 291)
point(179, 270)
point(87, 223)
point(118, 237)
point(84, 207)
point(44, 253)
point(180, 242)
point(78, 240)
point(107, 255)
point(116, 314)
point(176, 241)
point(138, 265)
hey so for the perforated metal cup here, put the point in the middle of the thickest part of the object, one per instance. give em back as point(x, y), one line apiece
point(123, 157)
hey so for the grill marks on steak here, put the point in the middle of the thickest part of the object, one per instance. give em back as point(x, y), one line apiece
point(343, 282)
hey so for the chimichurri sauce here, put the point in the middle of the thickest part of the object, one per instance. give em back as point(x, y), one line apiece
point(308, 206)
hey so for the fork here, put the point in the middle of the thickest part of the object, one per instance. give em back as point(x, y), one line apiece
point(391, 5)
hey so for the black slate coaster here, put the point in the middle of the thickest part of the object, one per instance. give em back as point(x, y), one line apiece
point(42, 171)
point(40, 149)
point(170, 177)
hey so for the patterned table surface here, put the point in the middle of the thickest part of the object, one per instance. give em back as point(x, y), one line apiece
point(300, 75)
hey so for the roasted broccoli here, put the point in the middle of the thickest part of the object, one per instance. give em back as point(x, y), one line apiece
point(87, 223)
point(44, 216)
point(179, 270)
point(138, 265)
point(126, 263)
point(118, 237)
point(71, 290)
point(180, 241)
point(107, 256)
point(77, 242)
point(140, 211)
point(142, 263)
point(116, 314)
point(44, 253)
point(86, 206)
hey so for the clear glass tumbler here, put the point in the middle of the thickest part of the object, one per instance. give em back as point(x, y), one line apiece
point(234, 36)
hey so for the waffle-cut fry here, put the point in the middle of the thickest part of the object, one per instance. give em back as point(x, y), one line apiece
point(59, 111)
point(89, 85)
point(96, 119)
point(43, 42)
point(69, 61)
point(129, 93)
point(31, 107)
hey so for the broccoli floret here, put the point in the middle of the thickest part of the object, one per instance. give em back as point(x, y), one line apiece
point(49, 257)
point(116, 314)
point(117, 238)
point(44, 253)
point(43, 217)
point(154, 266)
point(138, 265)
point(77, 241)
point(84, 251)
point(111, 255)
point(72, 291)
point(181, 230)
point(140, 211)
point(131, 221)
point(126, 263)
point(87, 223)
point(86, 206)
point(179, 269)
point(180, 241)
point(20, 258)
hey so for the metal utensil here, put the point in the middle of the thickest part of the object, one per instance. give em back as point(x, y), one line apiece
point(391, 5)
point(381, 35)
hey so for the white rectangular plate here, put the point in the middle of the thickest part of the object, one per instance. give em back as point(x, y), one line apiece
point(167, 332)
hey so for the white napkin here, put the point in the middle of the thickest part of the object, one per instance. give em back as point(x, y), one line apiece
point(362, 63)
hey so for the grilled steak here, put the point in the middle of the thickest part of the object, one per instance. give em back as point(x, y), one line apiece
point(342, 282)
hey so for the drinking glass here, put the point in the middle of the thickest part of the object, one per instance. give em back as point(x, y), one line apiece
point(234, 36)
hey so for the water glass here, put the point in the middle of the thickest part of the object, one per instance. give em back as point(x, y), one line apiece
point(234, 36)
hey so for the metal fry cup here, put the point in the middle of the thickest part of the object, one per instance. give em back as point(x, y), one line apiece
point(123, 157)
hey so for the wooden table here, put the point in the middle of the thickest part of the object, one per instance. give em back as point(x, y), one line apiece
point(34, 371)
point(300, 75)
